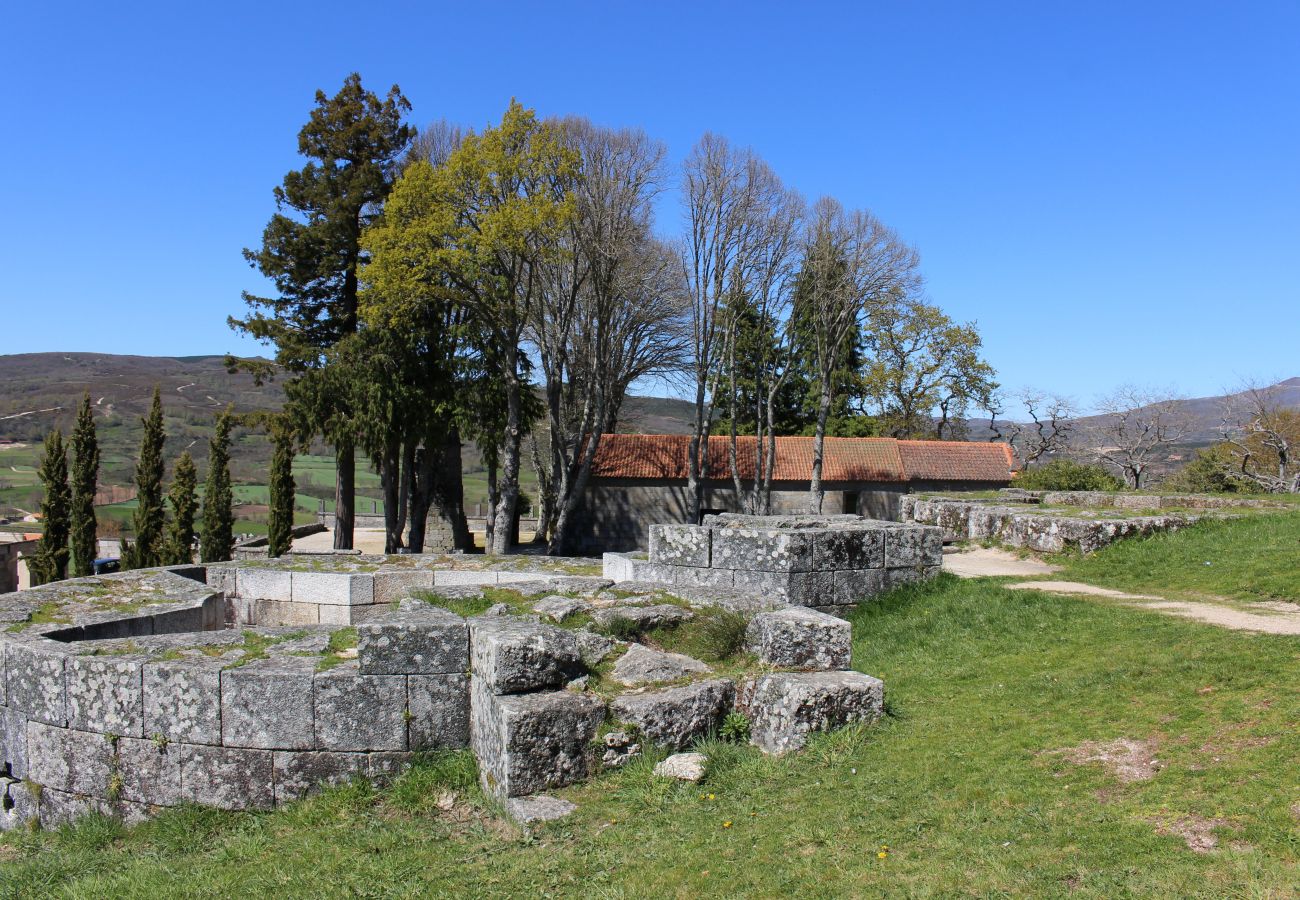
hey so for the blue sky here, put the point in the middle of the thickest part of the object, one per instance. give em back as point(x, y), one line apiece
point(1112, 190)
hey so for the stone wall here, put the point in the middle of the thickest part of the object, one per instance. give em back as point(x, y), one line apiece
point(818, 561)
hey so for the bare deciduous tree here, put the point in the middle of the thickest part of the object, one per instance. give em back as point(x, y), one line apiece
point(1137, 425)
point(1264, 439)
point(1049, 430)
point(852, 263)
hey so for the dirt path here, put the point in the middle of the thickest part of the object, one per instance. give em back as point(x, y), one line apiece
point(1262, 618)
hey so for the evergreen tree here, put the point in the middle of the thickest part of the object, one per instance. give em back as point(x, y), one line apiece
point(280, 521)
point(179, 549)
point(150, 517)
point(51, 560)
point(85, 477)
point(218, 536)
point(355, 144)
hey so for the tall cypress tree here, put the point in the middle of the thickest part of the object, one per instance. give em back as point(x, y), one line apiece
point(280, 521)
point(218, 537)
point(150, 516)
point(355, 144)
point(179, 548)
point(51, 560)
point(85, 478)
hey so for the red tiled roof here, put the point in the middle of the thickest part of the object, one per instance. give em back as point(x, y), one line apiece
point(663, 457)
point(956, 461)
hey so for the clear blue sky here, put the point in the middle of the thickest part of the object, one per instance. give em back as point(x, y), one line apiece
point(1111, 189)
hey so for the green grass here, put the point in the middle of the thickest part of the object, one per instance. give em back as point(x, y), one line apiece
point(960, 781)
point(1247, 558)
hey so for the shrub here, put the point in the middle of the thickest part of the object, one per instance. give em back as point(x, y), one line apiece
point(1068, 475)
point(1208, 472)
point(735, 728)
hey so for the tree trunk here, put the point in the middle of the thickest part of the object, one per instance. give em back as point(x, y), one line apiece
point(697, 462)
point(494, 496)
point(345, 495)
point(503, 530)
point(815, 492)
point(545, 490)
point(390, 479)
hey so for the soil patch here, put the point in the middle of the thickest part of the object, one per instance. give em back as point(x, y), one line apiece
point(1127, 760)
point(1196, 832)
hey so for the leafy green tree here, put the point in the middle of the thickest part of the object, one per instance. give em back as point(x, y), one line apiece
point(179, 547)
point(85, 478)
point(311, 250)
point(150, 517)
point(280, 520)
point(51, 560)
point(218, 537)
point(1211, 470)
point(1068, 475)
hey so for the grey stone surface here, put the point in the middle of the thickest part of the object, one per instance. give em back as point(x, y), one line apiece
point(333, 588)
point(359, 712)
point(676, 717)
point(912, 545)
point(800, 638)
point(593, 647)
point(394, 586)
point(105, 694)
point(439, 712)
point(850, 548)
point(621, 747)
point(67, 760)
point(150, 771)
point(856, 586)
point(417, 639)
point(784, 708)
point(182, 700)
point(539, 808)
point(63, 808)
point(227, 777)
point(35, 680)
point(527, 743)
point(763, 549)
point(687, 576)
point(18, 805)
point(263, 584)
point(385, 766)
point(267, 704)
point(509, 656)
point(680, 545)
point(642, 665)
point(560, 608)
point(644, 617)
point(297, 774)
point(682, 766)
point(14, 725)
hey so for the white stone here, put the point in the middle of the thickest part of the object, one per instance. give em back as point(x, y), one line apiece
point(683, 766)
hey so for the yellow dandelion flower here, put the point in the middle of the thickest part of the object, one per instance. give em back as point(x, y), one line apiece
point(881, 855)
point(726, 824)
point(711, 796)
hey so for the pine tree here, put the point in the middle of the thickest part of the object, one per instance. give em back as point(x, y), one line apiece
point(179, 549)
point(85, 477)
point(218, 536)
point(51, 560)
point(280, 520)
point(150, 517)
point(355, 144)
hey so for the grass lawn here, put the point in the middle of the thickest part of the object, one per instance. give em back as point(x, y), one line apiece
point(1249, 558)
point(962, 783)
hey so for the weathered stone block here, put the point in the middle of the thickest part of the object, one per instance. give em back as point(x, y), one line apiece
point(643, 617)
point(182, 700)
point(913, 545)
point(105, 694)
point(36, 682)
point(227, 777)
point(800, 588)
point(856, 586)
point(67, 760)
point(360, 712)
point(680, 545)
point(264, 584)
point(642, 665)
point(439, 712)
point(800, 638)
point(13, 725)
point(784, 708)
point(531, 810)
point(418, 640)
point(267, 704)
point(394, 586)
point(298, 774)
point(849, 548)
point(284, 612)
point(150, 771)
point(382, 768)
point(62, 808)
point(333, 588)
point(18, 805)
point(557, 609)
point(677, 717)
point(692, 577)
point(510, 656)
point(764, 549)
point(455, 577)
point(526, 743)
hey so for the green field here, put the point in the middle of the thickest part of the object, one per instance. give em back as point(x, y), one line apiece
point(974, 782)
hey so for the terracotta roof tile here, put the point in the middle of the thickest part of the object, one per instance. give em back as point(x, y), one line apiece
point(663, 456)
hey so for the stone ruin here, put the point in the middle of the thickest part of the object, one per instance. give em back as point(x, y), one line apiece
point(245, 686)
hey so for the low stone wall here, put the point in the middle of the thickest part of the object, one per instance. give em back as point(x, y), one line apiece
point(1114, 500)
point(132, 692)
point(986, 520)
point(817, 561)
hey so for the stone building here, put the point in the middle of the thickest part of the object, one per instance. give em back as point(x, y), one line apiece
point(639, 480)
